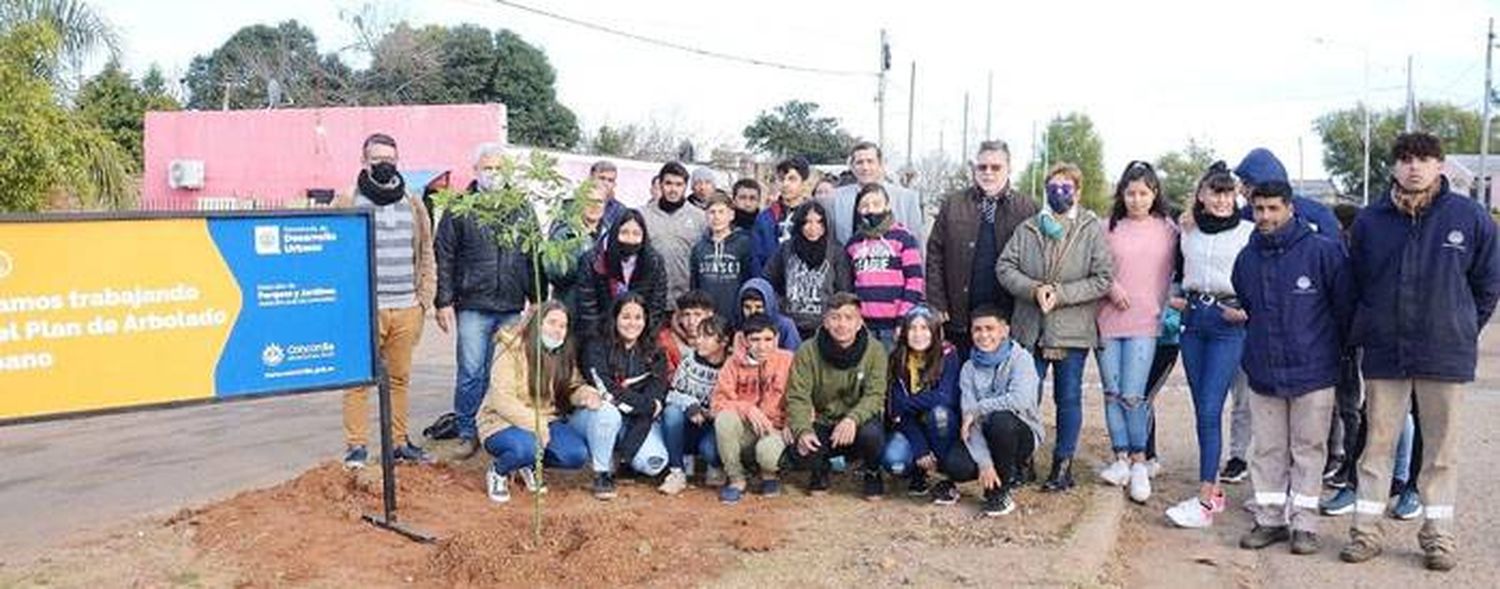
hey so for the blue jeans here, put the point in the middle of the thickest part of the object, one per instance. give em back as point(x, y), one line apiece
point(603, 427)
point(476, 347)
point(1401, 468)
point(515, 448)
point(1211, 349)
point(1067, 393)
point(1124, 365)
point(938, 427)
point(679, 434)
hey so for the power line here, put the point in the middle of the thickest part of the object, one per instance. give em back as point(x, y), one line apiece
point(681, 47)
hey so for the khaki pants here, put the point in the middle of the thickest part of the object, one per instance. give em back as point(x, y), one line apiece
point(397, 333)
point(1386, 404)
point(1288, 446)
point(735, 436)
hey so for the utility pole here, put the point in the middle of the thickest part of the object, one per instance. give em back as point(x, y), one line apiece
point(1481, 176)
point(963, 146)
point(885, 65)
point(911, 112)
point(1413, 112)
point(989, 104)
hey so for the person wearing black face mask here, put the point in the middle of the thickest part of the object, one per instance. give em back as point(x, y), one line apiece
point(405, 286)
point(675, 229)
point(627, 262)
point(887, 264)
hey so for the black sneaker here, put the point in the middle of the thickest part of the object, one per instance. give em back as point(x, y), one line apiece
point(916, 485)
point(604, 486)
point(1234, 471)
point(997, 502)
point(817, 483)
point(410, 452)
point(945, 493)
point(874, 487)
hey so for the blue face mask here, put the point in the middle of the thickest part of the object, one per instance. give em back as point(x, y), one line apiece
point(1060, 197)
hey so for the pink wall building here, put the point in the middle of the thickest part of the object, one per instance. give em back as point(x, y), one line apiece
point(276, 156)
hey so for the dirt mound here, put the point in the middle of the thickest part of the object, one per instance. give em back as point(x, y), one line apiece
point(309, 531)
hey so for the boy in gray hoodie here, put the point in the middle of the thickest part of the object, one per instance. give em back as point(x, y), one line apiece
point(1002, 423)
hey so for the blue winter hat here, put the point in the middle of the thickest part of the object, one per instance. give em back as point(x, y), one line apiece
point(1259, 167)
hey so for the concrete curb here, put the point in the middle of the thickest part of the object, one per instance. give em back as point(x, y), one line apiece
point(1091, 546)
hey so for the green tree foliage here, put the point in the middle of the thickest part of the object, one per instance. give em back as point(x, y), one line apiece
point(794, 128)
point(82, 33)
point(46, 150)
point(117, 105)
point(243, 71)
point(1072, 138)
point(1342, 133)
point(408, 65)
point(1180, 170)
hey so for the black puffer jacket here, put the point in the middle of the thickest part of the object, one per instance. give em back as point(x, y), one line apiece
point(609, 366)
point(475, 273)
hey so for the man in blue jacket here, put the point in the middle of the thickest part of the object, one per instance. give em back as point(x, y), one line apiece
point(1295, 286)
point(1427, 272)
point(1258, 168)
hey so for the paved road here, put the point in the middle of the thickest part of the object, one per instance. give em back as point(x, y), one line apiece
point(67, 480)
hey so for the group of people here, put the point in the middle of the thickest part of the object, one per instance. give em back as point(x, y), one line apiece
point(720, 336)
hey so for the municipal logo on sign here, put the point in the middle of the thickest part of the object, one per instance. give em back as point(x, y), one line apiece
point(1455, 237)
point(1304, 283)
point(272, 356)
point(267, 240)
point(6, 265)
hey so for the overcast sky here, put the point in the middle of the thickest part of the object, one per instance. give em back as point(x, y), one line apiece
point(1151, 74)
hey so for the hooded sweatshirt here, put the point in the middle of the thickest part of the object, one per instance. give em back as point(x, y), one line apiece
point(787, 337)
point(1261, 166)
point(744, 384)
point(720, 267)
point(830, 383)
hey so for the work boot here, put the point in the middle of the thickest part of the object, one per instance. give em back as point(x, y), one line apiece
point(1262, 536)
point(1304, 542)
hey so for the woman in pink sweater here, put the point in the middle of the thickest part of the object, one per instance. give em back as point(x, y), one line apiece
point(1143, 241)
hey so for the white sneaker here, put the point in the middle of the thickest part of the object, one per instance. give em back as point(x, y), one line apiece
point(1116, 474)
point(498, 486)
point(1140, 482)
point(533, 485)
point(1191, 513)
point(676, 482)
point(1153, 468)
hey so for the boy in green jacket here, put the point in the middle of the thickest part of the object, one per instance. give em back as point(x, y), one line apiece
point(836, 396)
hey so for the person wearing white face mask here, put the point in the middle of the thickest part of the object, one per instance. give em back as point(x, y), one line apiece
point(512, 408)
point(481, 287)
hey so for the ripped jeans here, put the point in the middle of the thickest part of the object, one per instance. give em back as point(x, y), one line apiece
point(1124, 365)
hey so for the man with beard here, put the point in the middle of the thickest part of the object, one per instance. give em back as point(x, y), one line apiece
point(674, 229)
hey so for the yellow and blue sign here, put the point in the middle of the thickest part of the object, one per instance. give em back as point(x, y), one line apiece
point(100, 313)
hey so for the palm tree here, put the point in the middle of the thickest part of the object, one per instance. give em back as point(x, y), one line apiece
point(83, 32)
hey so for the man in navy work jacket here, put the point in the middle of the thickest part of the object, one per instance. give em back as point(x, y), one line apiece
point(1427, 272)
point(1295, 286)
